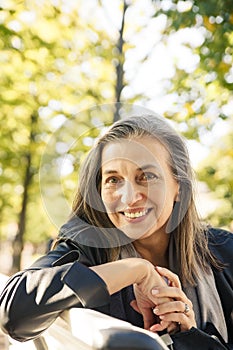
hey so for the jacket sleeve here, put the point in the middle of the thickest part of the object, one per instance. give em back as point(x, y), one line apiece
point(34, 298)
point(198, 339)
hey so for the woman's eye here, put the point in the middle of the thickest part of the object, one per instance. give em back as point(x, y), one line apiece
point(148, 176)
point(112, 181)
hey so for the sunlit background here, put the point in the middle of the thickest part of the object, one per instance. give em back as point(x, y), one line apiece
point(59, 58)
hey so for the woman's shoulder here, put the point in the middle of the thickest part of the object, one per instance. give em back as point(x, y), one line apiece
point(219, 235)
point(85, 238)
point(221, 244)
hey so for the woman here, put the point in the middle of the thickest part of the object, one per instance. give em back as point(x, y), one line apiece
point(134, 247)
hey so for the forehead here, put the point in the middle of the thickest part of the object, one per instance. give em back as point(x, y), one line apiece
point(141, 151)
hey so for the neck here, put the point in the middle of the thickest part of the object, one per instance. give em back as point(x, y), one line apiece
point(154, 249)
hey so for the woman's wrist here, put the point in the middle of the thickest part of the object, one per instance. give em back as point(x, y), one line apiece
point(122, 273)
point(143, 269)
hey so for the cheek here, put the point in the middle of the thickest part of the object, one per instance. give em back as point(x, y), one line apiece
point(157, 194)
point(162, 198)
point(109, 199)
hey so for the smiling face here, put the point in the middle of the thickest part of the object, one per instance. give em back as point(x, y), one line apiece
point(137, 186)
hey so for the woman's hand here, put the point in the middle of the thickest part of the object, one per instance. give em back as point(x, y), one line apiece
point(179, 308)
point(145, 301)
point(142, 274)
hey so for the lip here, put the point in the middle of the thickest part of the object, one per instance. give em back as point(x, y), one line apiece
point(140, 212)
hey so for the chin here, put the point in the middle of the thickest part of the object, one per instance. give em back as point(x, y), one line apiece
point(134, 235)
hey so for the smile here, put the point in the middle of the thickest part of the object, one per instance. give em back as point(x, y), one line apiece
point(137, 214)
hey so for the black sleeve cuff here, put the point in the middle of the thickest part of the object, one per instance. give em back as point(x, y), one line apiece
point(90, 289)
point(202, 341)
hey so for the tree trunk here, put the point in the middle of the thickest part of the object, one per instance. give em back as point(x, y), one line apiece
point(119, 66)
point(18, 243)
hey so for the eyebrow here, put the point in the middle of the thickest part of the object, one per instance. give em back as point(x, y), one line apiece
point(142, 168)
point(106, 172)
point(148, 166)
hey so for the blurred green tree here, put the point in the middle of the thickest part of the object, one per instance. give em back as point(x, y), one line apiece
point(52, 66)
point(203, 88)
point(57, 60)
point(216, 170)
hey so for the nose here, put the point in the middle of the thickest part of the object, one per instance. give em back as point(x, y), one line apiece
point(130, 193)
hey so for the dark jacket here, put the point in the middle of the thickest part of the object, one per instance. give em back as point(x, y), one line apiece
point(35, 297)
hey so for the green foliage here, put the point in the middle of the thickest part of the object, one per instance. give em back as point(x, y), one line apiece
point(217, 172)
point(202, 92)
point(52, 66)
point(56, 61)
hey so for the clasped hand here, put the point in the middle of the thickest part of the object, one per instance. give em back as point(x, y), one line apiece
point(162, 303)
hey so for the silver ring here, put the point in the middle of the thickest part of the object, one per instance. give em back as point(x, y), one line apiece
point(186, 308)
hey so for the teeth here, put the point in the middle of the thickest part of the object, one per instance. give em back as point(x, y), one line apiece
point(135, 215)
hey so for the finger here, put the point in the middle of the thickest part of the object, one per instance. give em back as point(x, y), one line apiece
point(172, 306)
point(172, 277)
point(169, 292)
point(158, 327)
point(185, 322)
point(173, 328)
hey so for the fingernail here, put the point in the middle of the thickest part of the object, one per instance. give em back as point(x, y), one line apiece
point(159, 267)
point(154, 291)
point(161, 317)
point(155, 310)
